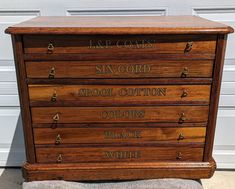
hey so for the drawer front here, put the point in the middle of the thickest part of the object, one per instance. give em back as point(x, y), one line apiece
point(117, 154)
point(94, 95)
point(119, 114)
point(127, 44)
point(60, 136)
point(120, 69)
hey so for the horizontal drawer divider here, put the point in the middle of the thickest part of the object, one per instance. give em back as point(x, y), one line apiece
point(128, 81)
point(119, 104)
point(134, 56)
point(122, 125)
point(126, 144)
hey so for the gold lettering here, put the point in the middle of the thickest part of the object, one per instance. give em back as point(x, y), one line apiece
point(123, 114)
point(131, 69)
point(142, 92)
point(124, 134)
point(123, 154)
point(85, 92)
point(106, 92)
point(129, 44)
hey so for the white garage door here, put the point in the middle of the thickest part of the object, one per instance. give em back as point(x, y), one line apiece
point(14, 11)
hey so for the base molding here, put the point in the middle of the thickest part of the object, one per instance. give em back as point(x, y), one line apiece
point(118, 171)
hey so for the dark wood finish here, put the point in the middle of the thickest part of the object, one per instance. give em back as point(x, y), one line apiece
point(118, 135)
point(116, 95)
point(119, 25)
point(105, 44)
point(125, 171)
point(217, 77)
point(117, 56)
point(120, 69)
point(118, 154)
point(122, 81)
point(120, 114)
point(24, 98)
point(122, 125)
point(121, 137)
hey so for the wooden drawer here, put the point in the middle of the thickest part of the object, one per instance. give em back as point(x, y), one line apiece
point(118, 135)
point(120, 69)
point(112, 44)
point(119, 114)
point(101, 95)
point(117, 154)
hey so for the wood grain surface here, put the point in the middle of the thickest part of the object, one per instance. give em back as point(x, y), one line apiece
point(117, 154)
point(119, 25)
point(120, 69)
point(128, 44)
point(120, 114)
point(118, 135)
point(116, 95)
point(129, 97)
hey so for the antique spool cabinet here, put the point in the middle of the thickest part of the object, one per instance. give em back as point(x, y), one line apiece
point(114, 98)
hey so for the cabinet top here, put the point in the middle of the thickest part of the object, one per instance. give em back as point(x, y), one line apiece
point(119, 25)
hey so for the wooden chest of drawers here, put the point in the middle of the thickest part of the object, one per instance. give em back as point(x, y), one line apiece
point(110, 98)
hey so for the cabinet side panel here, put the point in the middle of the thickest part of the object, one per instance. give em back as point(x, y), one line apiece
point(24, 98)
point(215, 92)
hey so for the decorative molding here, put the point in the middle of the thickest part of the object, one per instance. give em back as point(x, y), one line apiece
point(120, 12)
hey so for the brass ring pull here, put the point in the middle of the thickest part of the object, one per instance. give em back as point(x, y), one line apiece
point(184, 72)
point(188, 47)
point(179, 156)
point(184, 94)
point(58, 139)
point(54, 96)
point(59, 158)
point(52, 73)
point(50, 48)
point(181, 136)
point(182, 118)
point(56, 117)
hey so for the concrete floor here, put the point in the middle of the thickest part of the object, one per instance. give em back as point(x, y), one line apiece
point(11, 179)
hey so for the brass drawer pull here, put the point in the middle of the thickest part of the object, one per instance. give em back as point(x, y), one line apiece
point(50, 48)
point(184, 72)
point(54, 96)
point(179, 156)
point(52, 73)
point(58, 139)
point(182, 118)
point(181, 136)
point(188, 47)
point(59, 158)
point(56, 117)
point(184, 94)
